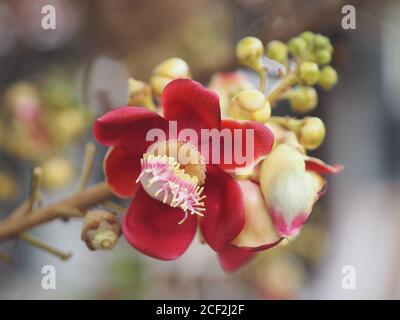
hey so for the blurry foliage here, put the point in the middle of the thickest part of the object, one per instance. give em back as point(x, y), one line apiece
point(127, 279)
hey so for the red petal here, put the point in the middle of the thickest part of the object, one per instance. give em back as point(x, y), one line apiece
point(235, 152)
point(224, 216)
point(317, 165)
point(121, 168)
point(232, 258)
point(191, 105)
point(152, 228)
point(127, 127)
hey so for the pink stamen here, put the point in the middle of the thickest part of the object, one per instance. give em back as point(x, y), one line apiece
point(178, 188)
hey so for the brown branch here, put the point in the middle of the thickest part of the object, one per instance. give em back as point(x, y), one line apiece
point(15, 224)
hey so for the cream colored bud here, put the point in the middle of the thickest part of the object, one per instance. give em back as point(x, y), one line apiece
point(249, 51)
point(101, 230)
point(312, 133)
point(303, 99)
point(139, 94)
point(173, 68)
point(166, 71)
point(250, 104)
point(57, 172)
point(69, 124)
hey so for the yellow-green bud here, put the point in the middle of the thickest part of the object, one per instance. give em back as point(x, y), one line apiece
point(303, 99)
point(328, 77)
point(323, 56)
point(312, 133)
point(139, 94)
point(250, 104)
point(278, 51)
point(309, 72)
point(249, 51)
point(308, 36)
point(322, 42)
point(173, 68)
point(297, 46)
point(166, 71)
point(57, 172)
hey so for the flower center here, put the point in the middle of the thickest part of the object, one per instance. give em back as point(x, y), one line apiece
point(173, 172)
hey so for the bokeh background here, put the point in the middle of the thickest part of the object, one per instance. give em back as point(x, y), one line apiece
point(70, 75)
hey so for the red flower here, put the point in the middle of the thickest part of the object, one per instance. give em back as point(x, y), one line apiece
point(171, 198)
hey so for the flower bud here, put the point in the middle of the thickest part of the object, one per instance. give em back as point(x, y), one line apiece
point(101, 230)
point(250, 104)
point(139, 94)
point(166, 71)
point(297, 46)
point(249, 51)
point(57, 172)
point(309, 72)
point(312, 133)
point(328, 77)
point(303, 99)
point(278, 51)
point(323, 56)
point(322, 42)
point(68, 124)
point(308, 37)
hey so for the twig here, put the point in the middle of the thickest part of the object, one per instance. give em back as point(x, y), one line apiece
point(32, 240)
point(282, 86)
point(114, 206)
point(87, 166)
point(14, 225)
point(262, 73)
point(37, 174)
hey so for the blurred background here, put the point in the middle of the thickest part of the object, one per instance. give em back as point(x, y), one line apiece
point(53, 83)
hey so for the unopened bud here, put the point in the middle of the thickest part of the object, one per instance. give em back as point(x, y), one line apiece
point(309, 72)
point(312, 133)
point(166, 71)
point(57, 172)
point(303, 99)
point(278, 51)
point(250, 104)
point(101, 230)
point(297, 46)
point(322, 42)
point(323, 56)
point(308, 37)
point(139, 94)
point(328, 77)
point(249, 51)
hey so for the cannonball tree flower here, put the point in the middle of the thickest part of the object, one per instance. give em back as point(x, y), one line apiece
point(172, 198)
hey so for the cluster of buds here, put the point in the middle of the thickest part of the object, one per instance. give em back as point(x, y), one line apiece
point(304, 60)
point(41, 120)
